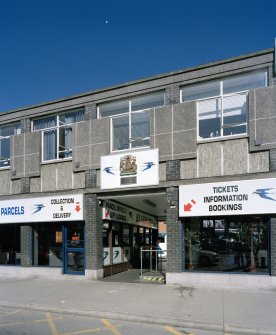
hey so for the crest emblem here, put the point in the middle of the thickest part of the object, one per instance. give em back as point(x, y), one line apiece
point(128, 166)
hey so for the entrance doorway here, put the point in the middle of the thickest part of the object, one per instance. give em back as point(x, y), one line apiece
point(74, 248)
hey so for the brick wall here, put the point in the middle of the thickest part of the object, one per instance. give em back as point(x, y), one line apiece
point(174, 241)
point(93, 232)
point(173, 170)
point(90, 178)
point(25, 125)
point(25, 185)
point(172, 95)
point(273, 246)
point(26, 246)
point(90, 112)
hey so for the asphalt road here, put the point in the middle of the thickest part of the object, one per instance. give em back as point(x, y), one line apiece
point(28, 322)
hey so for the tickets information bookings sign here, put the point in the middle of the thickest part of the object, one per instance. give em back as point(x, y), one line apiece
point(44, 209)
point(256, 196)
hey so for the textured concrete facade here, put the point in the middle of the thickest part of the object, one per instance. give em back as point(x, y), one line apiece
point(183, 157)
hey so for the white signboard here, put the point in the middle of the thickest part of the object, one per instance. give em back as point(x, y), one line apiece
point(127, 255)
point(117, 255)
point(112, 211)
point(44, 209)
point(257, 196)
point(106, 256)
point(131, 169)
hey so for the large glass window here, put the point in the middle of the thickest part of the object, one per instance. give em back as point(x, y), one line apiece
point(130, 120)
point(222, 105)
point(57, 134)
point(48, 244)
point(226, 244)
point(5, 133)
point(10, 244)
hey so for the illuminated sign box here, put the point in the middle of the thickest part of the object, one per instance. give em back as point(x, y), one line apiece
point(43, 209)
point(257, 196)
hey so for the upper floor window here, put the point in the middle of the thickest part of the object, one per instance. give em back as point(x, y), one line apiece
point(222, 105)
point(130, 120)
point(57, 134)
point(5, 132)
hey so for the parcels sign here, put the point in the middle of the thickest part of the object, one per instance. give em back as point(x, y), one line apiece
point(44, 209)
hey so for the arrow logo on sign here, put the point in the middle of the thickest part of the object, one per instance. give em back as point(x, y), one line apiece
point(77, 207)
point(189, 205)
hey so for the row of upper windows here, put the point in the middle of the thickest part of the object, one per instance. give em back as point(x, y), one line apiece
point(222, 110)
point(222, 105)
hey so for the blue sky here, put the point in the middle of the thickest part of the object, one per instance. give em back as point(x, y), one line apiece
point(56, 48)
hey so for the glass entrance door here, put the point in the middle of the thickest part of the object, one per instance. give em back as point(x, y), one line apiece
point(74, 249)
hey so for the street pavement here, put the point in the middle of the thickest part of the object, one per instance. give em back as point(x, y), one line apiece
point(238, 311)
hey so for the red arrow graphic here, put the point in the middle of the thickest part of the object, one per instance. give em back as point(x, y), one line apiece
point(77, 207)
point(188, 206)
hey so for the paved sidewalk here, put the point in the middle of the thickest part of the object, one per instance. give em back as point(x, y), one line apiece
point(228, 310)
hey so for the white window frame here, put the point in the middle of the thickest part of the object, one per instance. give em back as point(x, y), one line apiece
point(130, 138)
point(17, 130)
point(129, 113)
point(221, 97)
point(57, 127)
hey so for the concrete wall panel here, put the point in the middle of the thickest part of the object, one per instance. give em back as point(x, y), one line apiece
point(49, 177)
point(162, 171)
point(259, 162)
point(18, 145)
point(184, 116)
point(265, 102)
point(81, 156)
point(100, 131)
point(35, 185)
point(78, 180)
point(64, 176)
point(16, 186)
point(188, 169)
point(5, 182)
point(97, 151)
point(209, 159)
point(266, 131)
point(184, 142)
point(163, 120)
point(235, 156)
point(81, 134)
point(164, 143)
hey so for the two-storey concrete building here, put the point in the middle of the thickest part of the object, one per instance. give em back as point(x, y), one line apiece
point(85, 179)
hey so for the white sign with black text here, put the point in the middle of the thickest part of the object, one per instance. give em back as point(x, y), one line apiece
point(257, 196)
point(113, 211)
point(44, 209)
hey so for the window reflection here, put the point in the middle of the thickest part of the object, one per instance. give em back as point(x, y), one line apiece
point(228, 244)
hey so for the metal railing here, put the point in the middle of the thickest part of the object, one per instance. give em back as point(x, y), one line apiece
point(151, 258)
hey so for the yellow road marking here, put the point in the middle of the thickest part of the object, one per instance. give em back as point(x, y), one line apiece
point(110, 327)
point(82, 331)
point(47, 320)
point(86, 331)
point(51, 324)
point(172, 330)
point(11, 313)
point(27, 322)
